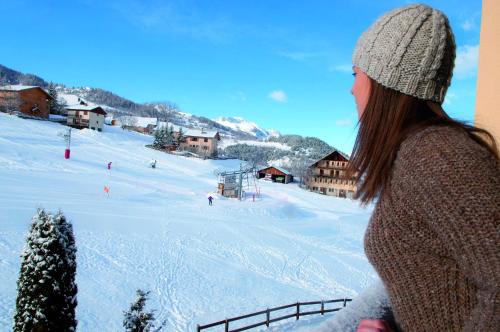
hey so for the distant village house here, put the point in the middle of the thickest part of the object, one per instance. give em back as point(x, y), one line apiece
point(29, 100)
point(275, 174)
point(84, 116)
point(328, 176)
point(200, 141)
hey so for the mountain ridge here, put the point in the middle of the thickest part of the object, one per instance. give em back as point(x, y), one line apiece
point(233, 127)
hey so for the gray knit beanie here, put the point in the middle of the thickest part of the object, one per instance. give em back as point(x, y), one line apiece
point(409, 49)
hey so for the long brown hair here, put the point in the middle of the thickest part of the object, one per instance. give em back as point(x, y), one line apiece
point(390, 116)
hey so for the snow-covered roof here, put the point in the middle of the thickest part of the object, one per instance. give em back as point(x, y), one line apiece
point(328, 154)
point(201, 133)
point(22, 88)
point(17, 87)
point(282, 170)
point(89, 108)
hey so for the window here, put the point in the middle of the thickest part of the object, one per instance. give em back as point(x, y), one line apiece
point(205, 148)
point(205, 140)
point(194, 139)
point(85, 113)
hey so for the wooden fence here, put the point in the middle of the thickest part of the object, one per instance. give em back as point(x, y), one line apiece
point(268, 320)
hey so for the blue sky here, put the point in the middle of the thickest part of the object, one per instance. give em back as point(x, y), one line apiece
point(282, 64)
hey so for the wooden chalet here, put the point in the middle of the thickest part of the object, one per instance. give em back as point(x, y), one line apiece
point(29, 100)
point(275, 174)
point(327, 176)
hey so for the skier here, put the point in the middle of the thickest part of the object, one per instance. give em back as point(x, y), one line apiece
point(210, 199)
point(153, 163)
point(109, 165)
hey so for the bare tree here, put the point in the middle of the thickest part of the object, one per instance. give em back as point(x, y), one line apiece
point(300, 168)
point(128, 121)
point(163, 112)
point(10, 102)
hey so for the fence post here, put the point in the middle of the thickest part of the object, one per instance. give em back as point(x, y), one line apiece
point(267, 317)
point(345, 301)
point(298, 311)
point(226, 326)
point(198, 328)
point(322, 307)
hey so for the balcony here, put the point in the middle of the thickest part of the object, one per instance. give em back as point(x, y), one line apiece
point(78, 122)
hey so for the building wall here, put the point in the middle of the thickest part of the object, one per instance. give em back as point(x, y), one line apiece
point(85, 119)
point(327, 177)
point(96, 121)
point(488, 89)
point(207, 148)
point(28, 100)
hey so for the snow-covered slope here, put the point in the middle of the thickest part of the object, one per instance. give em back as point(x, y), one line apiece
point(230, 141)
point(156, 231)
point(240, 124)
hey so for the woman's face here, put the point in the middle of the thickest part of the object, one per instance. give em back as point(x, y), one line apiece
point(360, 90)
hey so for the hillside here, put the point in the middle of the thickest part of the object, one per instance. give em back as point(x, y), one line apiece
point(156, 231)
point(167, 111)
point(235, 128)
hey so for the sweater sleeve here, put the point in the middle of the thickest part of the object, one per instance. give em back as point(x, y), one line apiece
point(460, 185)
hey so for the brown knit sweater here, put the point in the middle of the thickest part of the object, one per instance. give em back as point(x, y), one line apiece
point(434, 236)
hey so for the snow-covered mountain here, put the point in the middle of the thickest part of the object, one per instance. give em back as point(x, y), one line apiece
point(240, 124)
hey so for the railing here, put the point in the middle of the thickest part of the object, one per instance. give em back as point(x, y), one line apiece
point(78, 121)
point(270, 320)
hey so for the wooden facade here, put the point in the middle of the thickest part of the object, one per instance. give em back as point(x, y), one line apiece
point(275, 174)
point(327, 176)
point(29, 100)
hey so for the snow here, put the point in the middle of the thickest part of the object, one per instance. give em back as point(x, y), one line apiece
point(156, 231)
point(230, 141)
point(238, 123)
point(71, 99)
point(143, 122)
point(18, 87)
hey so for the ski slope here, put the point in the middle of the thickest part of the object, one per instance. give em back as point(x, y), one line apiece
point(156, 231)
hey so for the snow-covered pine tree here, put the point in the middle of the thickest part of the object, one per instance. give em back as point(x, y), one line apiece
point(70, 288)
point(159, 135)
point(54, 106)
point(180, 136)
point(138, 320)
point(46, 289)
point(169, 135)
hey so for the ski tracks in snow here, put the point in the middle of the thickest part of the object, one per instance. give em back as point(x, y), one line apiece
point(169, 278)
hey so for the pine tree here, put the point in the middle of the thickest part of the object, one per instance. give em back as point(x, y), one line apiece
point(180, 136)
point(54, 106)
point(46, 289)
point(169, 135)
point(159, 142)
point(136, 319)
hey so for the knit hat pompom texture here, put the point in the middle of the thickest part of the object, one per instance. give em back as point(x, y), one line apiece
point(409, 49)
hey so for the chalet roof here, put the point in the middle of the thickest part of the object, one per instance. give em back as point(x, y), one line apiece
point(282, 170)
point(89, 108)
point(22, 88)
point(325, 157)
point(201, 133)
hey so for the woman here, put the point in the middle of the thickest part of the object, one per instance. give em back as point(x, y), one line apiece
point(434, 236)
